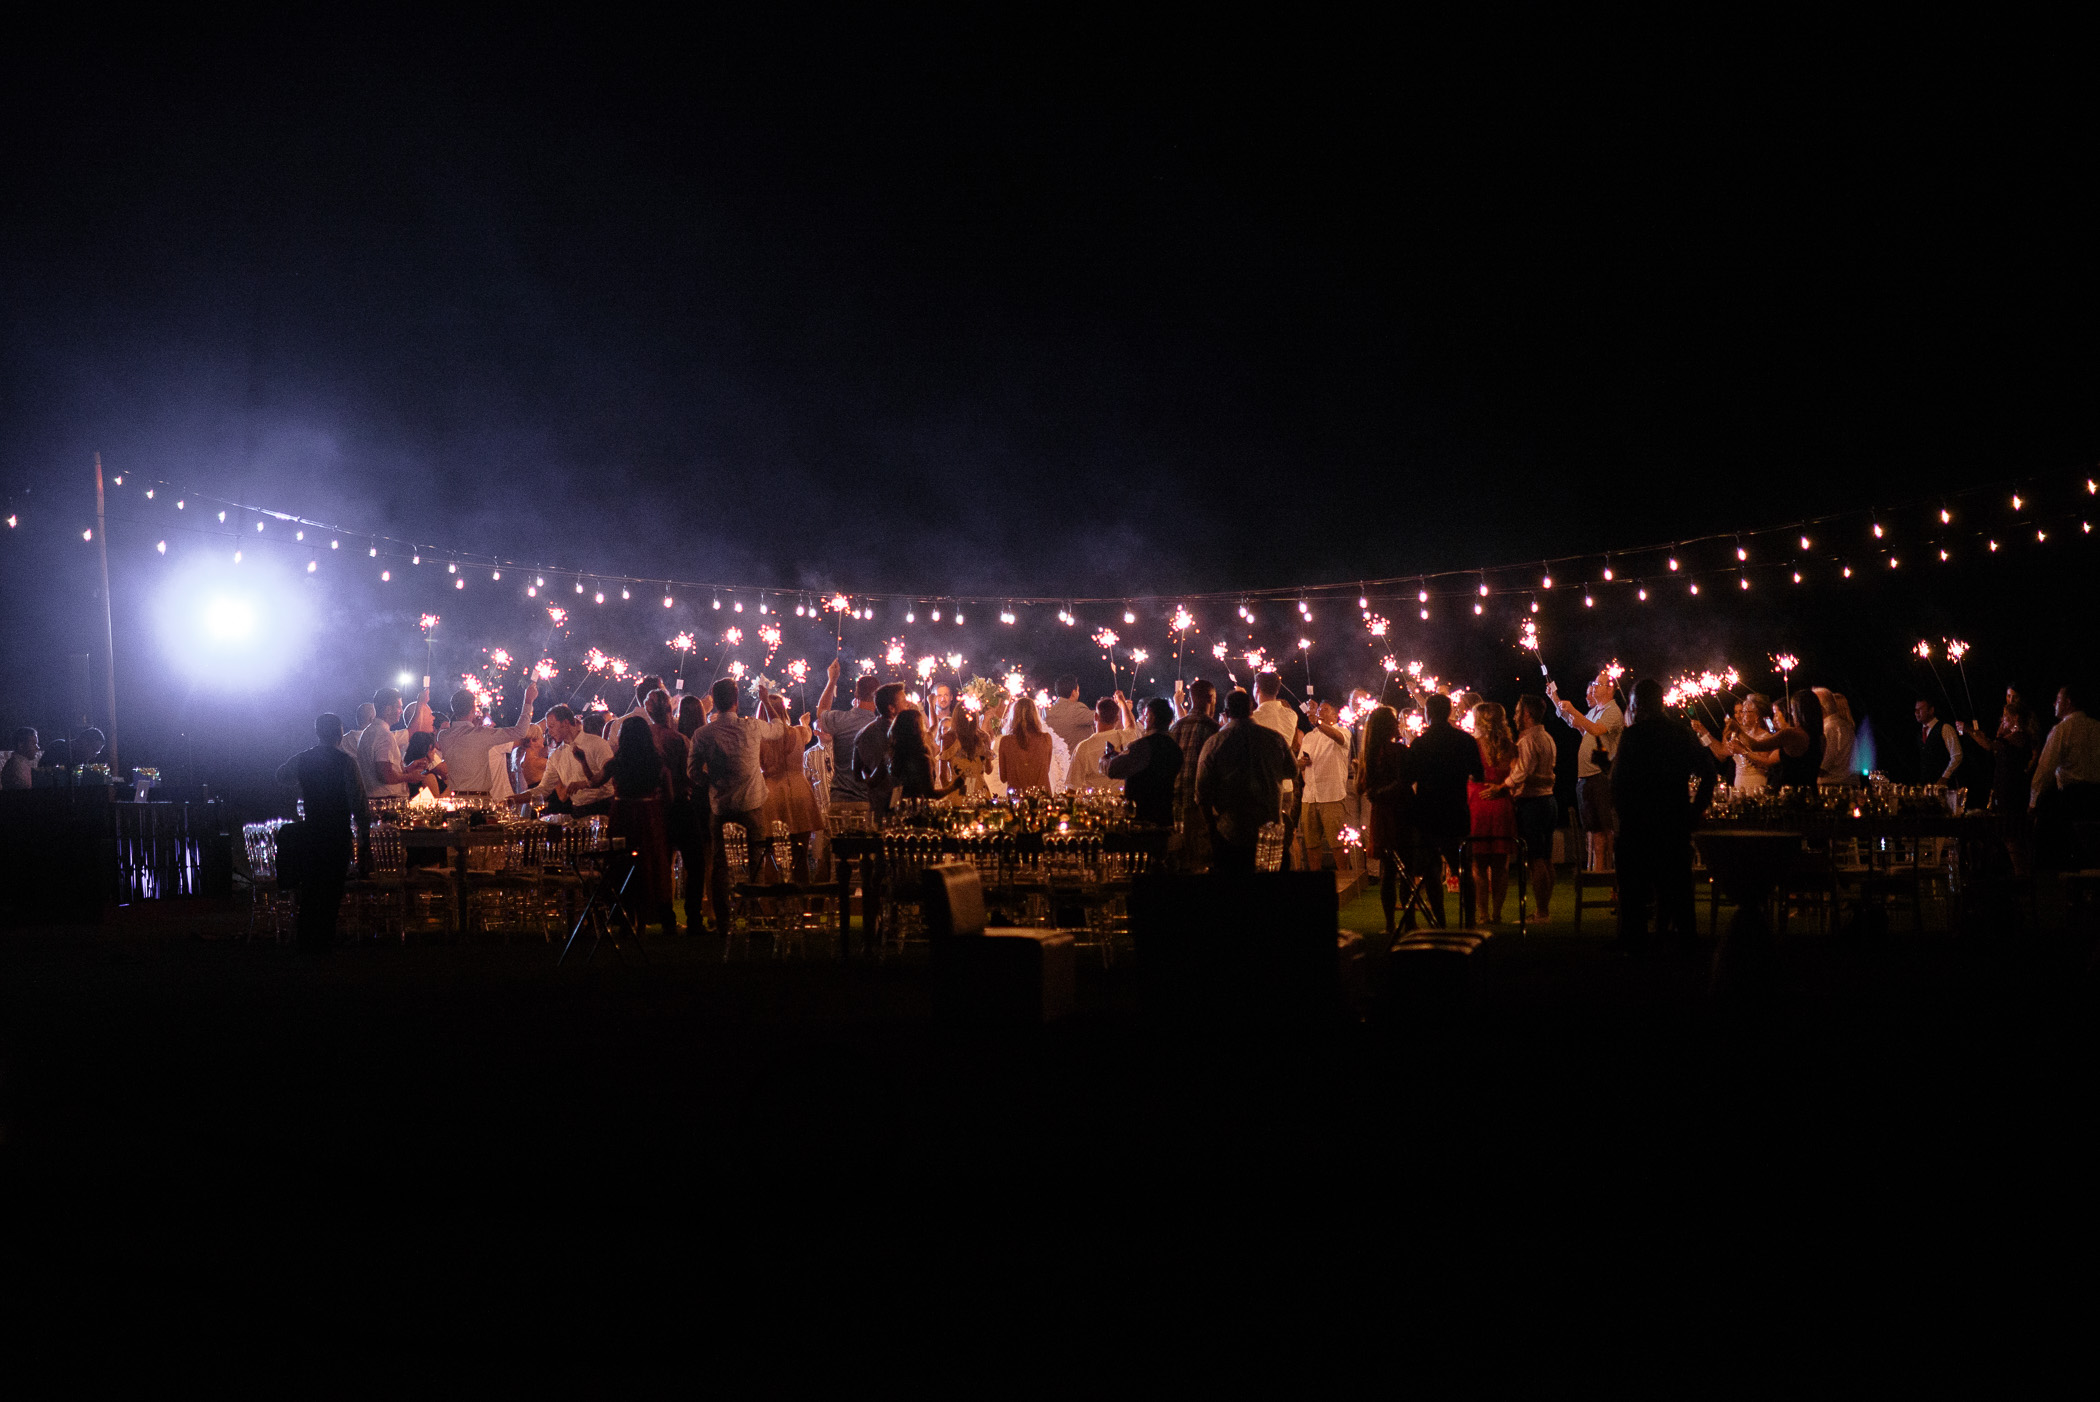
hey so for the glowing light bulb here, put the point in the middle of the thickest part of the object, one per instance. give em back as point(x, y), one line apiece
point(1945, 516)
point(1425, 615)
point(1695, 588)
point(1547, 582)
point(1994, 547)
point(119, 481)
point(149, 494)
point(89, 534)
point(1607, 574)
point(935, 615)
point(1892, 562)
point(459, 584)
point(452, 567)
point(1745, 583)
point(222, 515)
point(385, 576)
point(625, 593)
point(1129, 617)
point(2040, 536)
point(336, 545)
point(1477, 608)
point(1848, 571)
point(2016, 501)
point(910, 616)
point(532, 591)
point(179, 505)
point(667, 601)
point(1741, 554)
point(298, 535)
point(162, 547)
point(1797, 576)
point(373, 552)
point(579, 586)
point(415, 559)
point(598, 597)
point(1877, 530)
point(1483, 589)
point(1673, 562)
point(1362, 602)
point(1943, 556)
point(958, 618)
point(1642, 593)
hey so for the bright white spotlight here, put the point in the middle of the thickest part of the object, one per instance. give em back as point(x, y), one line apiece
point(228, 618)
point(405, 679)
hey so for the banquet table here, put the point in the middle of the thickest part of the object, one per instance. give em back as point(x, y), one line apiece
point(866, 849)
point(455, 840)
point(1977, 836)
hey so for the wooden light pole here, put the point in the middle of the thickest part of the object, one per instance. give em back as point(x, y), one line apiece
point(109, 629)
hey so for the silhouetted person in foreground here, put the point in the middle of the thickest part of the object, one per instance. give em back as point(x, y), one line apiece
point(1239, 784)
point(1150, 767)
point(335, 798)
point(1656, 807)
point(1442, 759)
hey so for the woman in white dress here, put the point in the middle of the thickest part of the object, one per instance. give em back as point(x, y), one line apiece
point(1752, 769)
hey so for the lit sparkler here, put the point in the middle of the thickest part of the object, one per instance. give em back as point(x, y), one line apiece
point(798, 671)
point(867, 666)
point(617, 666)
point(1182, 620)
point(1106, 638)
point(1137, 655)
point(1416, 724)
point(1613, 671)
point(544, 670)
point(684, 642)
point(1377, 624)
point(430, 621)
point(1956, 650)
point(1015, 684)
point(499, 657)
point(954, 661)
point(1219, 649)
point(893, 655)
point(595, 661)
point(1392, 663)
point(732, 637)
point(736, 669)
point(557, 615)
point(926, 668)
point(1923, 649)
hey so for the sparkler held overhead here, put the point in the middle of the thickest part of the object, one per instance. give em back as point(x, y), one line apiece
point(1957, 650)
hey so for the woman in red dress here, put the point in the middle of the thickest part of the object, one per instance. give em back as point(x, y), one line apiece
point(1494, 815)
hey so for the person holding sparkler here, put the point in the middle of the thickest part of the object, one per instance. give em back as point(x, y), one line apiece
point(1752, 770)
point(1530, 783)
point(468, 740)
point(1798, 743)
point(2012, 750)
point(1600, 728)
point(1840, 737)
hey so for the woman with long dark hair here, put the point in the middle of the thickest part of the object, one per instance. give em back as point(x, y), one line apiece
point(641, 791)
point(1382, 779)
point(911, 759)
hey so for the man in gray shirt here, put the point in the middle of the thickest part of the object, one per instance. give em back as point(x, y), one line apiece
point(844, 726)
point(1068, 718)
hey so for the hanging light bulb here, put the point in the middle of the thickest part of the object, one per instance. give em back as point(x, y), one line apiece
point(958, 618)
point(1129, 617)
point(333, 544)
point(2016, 501)
point(1673, 562)
point(415, 559)
point(89, 534)
point(1797, 576)
point(1362, 602)
point(539, 581)
point(1804, 542)
point(1547, 582)
point(1477, 608)
point(222, 515)
point(1943, 557)
point(1642, 593)
point(459, 584)
point(2040, 536)
point(738, 606)
point(532, 591)
point(1946, 516)
point(149, 494)
point(579, 586)
point(598, 597)
point(1745, 581)
point(1848, 571)
point(1892, 562)
point(298, 535)
point(1425, 615)
point(1534, 605)
point(911, 616)
point(162, 546)
point(935, 614)
point(1877, 530)
point(624, 592)
point(386, 576)
point(452, 567)
point(180, 504)
point(1740, 553)
point(495, 574)
point(1695, 587)
point(373, 552)
point(1994, 547)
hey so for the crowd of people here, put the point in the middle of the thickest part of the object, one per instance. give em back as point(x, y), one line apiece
point(1417, 785)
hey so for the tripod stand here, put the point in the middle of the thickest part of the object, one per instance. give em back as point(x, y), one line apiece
point(606, 908)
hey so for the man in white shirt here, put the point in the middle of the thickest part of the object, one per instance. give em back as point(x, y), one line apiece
point(366, 714)
point(1272, 712)
point(467, 741)
point(1111, 727)
point(576, 768)
point(1600, 728)
point(1323, 768)
point(379, 748)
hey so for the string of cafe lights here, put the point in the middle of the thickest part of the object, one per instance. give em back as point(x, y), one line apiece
point(1981, 521)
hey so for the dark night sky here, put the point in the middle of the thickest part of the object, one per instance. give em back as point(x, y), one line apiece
point(1035, 304)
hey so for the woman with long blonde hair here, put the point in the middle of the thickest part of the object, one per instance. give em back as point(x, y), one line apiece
point(1494, 814)
point(1024, 750)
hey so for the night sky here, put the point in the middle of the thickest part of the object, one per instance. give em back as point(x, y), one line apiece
point(1029, 305)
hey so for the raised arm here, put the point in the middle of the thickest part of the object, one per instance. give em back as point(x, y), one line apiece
point(831, 688)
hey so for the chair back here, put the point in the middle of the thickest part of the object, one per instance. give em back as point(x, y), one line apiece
point(952, 899)
point(736, 848)
point(1268, 847)
point(389, 855)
